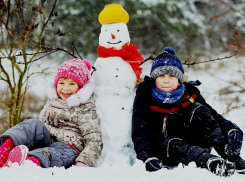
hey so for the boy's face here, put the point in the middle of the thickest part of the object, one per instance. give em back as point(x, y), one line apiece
point(66, 87)
point(167, 83)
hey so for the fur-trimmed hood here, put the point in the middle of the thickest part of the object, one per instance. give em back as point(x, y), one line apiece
point(81, 97)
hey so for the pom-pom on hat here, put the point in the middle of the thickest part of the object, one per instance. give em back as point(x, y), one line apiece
point(76, 69)
point(113, 13)
point(167, 63)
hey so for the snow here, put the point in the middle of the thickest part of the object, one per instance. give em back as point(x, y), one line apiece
point(31, 173)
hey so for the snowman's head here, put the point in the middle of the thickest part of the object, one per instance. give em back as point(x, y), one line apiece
point(114, 35)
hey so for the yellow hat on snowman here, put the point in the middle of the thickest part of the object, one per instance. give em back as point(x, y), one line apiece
point(113, 13)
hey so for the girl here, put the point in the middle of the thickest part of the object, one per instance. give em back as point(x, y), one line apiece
point(68, 131)
point(172, 123)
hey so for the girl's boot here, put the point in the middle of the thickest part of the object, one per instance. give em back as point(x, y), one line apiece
point(17, 155)
point(5, 148)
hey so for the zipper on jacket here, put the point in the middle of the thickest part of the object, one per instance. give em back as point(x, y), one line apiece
point(193, 112)
point(164, 125)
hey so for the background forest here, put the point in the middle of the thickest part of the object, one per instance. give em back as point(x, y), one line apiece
point(37, 35)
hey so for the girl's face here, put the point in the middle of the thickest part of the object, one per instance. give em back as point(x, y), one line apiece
point(66, 87)
point(167, 83)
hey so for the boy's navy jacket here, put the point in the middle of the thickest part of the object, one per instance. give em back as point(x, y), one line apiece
point(147, 123)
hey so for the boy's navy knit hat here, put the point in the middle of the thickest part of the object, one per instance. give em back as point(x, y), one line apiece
point(167, 63)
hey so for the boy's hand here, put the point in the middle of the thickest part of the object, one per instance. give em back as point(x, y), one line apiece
point(234, 143)
point(153, 164)
point(220, 167)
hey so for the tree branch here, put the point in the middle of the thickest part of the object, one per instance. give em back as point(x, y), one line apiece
point(49, 17)
point(194, 62)
point(6, 75)
point(231, 7)
point(232, 108)
point(151, 56)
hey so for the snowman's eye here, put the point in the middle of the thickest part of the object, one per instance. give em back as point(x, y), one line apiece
point(105, 30)
point(118, 30)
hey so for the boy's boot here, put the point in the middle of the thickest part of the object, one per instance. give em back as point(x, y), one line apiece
point(34, 160)
point(240, 164)
point(216, 165)
point(5, 148)
point(17, 155)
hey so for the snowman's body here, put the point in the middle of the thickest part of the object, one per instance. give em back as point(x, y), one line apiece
point(115, 91)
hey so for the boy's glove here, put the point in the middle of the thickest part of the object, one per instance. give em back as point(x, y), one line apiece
point(215, 164)
point(220, 167)
point(153, 164)
point(234, 143)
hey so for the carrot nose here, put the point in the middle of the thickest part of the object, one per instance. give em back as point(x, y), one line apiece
point(113, 36)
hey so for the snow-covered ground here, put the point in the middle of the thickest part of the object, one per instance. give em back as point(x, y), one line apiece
point(117, 173)
point(31, 173)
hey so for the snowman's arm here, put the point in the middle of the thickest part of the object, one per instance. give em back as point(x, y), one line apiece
point(141, 134)
point(91, 132)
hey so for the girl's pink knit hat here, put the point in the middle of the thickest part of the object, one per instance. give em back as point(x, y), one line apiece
point(76, 69)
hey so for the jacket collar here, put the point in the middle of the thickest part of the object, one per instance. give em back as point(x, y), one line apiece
point(146, 85)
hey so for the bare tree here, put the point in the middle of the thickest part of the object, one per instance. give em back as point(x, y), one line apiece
point(26, 27)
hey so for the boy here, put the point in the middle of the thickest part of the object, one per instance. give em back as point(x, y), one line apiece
point(172, 123)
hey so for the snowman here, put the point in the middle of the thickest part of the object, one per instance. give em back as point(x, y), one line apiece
point(117, 70)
